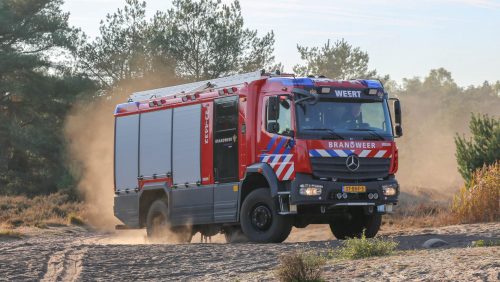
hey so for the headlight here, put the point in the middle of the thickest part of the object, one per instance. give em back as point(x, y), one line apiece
point(310, 189)
point(390, 189)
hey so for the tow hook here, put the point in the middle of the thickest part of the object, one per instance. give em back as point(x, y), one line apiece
point(323, 209)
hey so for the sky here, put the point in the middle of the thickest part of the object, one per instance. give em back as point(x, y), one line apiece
point(403, 38)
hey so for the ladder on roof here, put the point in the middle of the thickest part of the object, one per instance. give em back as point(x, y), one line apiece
point(196, 86)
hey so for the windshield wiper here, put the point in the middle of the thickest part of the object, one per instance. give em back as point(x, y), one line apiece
point(332, 133)
point(371, 131)
point(306, 96)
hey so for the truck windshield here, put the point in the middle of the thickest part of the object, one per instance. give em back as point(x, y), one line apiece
point(336, 118)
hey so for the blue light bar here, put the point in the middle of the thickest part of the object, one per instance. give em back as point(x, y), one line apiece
point(373, 83)
point(306, 82)
point(125, 107)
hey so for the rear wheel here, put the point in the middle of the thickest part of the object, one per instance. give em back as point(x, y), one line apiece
point(352, 224)
point(260, 220)
point(158, 227)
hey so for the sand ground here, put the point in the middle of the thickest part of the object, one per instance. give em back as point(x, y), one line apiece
point(76, 254)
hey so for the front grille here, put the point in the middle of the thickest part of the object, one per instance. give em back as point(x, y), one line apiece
point(335, 167)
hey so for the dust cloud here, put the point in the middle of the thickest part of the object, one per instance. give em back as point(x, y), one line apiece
point(427, 162)
point(89, 130)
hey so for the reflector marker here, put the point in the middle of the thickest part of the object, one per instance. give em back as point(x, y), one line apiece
point(380, 153)
point(289, 172)
point(283, 164)
point(374, 153)
point(364, 153)
point(323, 153)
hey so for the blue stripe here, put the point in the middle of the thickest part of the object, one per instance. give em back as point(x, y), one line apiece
point(332, 153)
point(280, 145)
point(270, 160)
point(348, 152)
point(314, 153)
point(271, 142)
point(273, 157)
point(284, 154)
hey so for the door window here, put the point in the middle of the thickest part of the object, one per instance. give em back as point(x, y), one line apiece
point(284, 118)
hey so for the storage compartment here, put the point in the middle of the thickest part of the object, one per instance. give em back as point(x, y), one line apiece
point(126, 152)
point(186, 145)
point(155, 144)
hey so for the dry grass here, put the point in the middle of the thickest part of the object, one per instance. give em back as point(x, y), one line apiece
point(40, 211)
point(300, 266)
point(421, 208)
point(428, 208)
point(8, 233)
point(74, 219)
point(480, 202)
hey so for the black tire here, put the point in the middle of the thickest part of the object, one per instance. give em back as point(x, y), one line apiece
point(235, 235)
point(182, 234)
point(260, 220)
point(157, 220)
point(354, 223)
point(159, 229)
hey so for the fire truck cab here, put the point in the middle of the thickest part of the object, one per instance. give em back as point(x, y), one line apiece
point(253, 155)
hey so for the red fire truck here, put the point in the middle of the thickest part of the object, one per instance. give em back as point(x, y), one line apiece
point(253, 155)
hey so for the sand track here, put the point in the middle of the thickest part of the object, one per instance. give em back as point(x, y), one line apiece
point(65, 265)
point(69, 254)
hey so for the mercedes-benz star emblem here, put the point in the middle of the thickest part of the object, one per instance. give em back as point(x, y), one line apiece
point(352, 162)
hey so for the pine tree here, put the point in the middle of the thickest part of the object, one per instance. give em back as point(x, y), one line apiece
point(339, 60)
point(35, 96)
point(483, 148)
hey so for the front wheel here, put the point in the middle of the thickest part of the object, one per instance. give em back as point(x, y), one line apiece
point(354, 223)
point(260, 220)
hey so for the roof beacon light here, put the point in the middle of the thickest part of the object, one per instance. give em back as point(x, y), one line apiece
point(325, 90)
point(373, 92)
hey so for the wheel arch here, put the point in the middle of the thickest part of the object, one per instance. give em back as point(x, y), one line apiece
point(148, 196)
point(259, 175)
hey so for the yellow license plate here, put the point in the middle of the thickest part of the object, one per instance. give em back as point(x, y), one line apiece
point(354, 189)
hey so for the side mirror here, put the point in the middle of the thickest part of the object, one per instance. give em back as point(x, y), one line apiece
point(397, 111)
point(273, 127)
point(397, 116)
point(273, 110)
point(399, 130)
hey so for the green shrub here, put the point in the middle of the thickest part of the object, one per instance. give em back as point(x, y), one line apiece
point(357, 248)
point(483, 243)
point(482, 148)
point(300, 266)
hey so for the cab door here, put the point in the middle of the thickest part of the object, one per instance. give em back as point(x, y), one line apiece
point(226, 139)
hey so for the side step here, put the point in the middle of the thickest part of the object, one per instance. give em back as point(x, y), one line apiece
point(285, 206)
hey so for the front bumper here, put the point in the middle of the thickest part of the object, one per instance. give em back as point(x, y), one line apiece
point(330, 189)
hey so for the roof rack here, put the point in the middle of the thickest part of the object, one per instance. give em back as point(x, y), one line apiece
point(227, 81)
